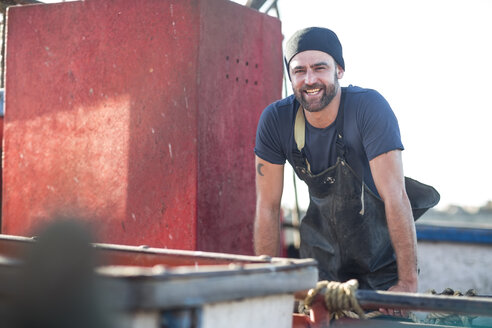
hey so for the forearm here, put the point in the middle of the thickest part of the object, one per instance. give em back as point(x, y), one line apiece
point(267, 231)
point(387, 171)
point(269, 186)
point(402, 232)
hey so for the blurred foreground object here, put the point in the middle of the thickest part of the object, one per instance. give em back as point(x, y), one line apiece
point(55, 286)
point(145, 287)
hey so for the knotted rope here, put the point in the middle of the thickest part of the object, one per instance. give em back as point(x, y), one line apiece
point(339, 299)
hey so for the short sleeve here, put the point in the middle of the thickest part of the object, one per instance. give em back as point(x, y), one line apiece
point(268, 144)
point(378, 126)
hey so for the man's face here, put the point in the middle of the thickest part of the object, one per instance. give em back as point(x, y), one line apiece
point(314, 79)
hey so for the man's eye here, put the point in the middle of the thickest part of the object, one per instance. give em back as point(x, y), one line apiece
point(321, 68)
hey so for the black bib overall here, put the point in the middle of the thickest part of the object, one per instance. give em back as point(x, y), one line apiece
point(345, 227)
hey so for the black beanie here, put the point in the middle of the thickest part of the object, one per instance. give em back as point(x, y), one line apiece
point(314, 38)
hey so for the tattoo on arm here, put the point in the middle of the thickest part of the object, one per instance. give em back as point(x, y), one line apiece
point(258, 168)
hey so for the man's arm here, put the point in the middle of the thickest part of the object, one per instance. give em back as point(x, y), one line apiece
point(269, 187)
point(387, 171)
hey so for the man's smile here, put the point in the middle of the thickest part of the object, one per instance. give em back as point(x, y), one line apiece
point(312, 91)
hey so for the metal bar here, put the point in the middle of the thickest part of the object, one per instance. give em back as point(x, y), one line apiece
point(272, 5)
point(113, 254)
point(255, 4)
point(369, 299)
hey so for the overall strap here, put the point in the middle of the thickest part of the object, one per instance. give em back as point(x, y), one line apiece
point(341, 151)
point(300, 130)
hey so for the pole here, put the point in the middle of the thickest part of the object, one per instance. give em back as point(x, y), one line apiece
point(369, 299)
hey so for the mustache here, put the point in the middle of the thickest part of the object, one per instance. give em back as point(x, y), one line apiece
point(312, 86)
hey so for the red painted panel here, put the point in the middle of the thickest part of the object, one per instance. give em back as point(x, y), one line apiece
point(243, 77)
point(1, 130)
point(120, 114)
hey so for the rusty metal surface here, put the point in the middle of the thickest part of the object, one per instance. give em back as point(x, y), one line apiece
point(138, 119)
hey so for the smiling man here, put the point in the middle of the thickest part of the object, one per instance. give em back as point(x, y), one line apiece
point(345, 144)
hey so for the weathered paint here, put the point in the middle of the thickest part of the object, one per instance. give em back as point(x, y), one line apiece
point(138, 119)
point(234, 89)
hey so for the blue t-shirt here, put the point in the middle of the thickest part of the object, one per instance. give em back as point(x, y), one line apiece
point(370, 129)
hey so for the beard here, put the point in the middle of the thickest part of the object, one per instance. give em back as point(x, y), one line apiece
point(328, 93)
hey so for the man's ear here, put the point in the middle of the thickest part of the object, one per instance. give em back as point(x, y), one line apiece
point(340, 71)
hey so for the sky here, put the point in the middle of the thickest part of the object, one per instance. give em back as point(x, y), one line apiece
point(431, 59)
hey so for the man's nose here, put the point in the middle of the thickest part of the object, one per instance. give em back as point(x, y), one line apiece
point(310, 77)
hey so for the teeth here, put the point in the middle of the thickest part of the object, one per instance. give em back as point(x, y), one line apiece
point(312, 90)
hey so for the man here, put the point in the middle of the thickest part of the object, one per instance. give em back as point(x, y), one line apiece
point(345, 144)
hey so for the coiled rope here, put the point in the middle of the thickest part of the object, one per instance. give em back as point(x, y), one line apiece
point(340, 301)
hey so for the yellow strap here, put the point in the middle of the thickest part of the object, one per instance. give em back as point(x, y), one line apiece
point(300, 129)
point(300, 132)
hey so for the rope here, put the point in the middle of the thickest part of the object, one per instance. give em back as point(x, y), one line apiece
point(339, 299)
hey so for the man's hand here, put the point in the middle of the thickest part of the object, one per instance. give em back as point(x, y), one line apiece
point(400, 287)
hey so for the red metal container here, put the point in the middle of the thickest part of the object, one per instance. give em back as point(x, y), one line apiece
point(139, 119)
